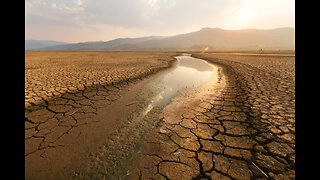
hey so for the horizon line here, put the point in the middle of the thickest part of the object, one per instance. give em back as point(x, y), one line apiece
point(158, 35)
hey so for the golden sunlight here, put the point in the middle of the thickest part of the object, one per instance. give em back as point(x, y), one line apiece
point(206, 49)
point(245, 16)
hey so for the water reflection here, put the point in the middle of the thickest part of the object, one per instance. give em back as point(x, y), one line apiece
point(189, 73)
point(198, 65)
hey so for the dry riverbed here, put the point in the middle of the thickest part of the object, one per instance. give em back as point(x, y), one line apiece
point(53, 73)
point(242, 128)
point(238, 126)
point(74, 100)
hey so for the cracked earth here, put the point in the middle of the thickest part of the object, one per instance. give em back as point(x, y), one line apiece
point(246, 131)
point(68, 100)
point(243, 128)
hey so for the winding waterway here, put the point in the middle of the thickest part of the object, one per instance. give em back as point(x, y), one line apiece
point(118, 154)
point(188, 73)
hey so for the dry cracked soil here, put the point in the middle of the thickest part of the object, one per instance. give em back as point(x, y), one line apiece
point(75, 99)
point(246, 131)
point(242, 128)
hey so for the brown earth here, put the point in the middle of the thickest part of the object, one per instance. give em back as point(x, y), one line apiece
point(53, 73)
point(246, 130)
point(74, 100)
point(241, 128)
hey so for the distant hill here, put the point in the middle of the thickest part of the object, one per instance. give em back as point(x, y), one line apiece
point(36, 44)
point(214, 38)
point(100, 45)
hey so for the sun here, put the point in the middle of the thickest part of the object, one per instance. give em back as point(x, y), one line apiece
point(245, 16)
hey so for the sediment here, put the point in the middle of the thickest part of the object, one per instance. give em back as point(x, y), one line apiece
point(247, 131)
point(74, 100)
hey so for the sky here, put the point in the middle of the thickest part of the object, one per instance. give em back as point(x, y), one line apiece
point(102, 20)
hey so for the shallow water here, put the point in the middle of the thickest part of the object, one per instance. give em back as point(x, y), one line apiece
point(116, 157)
point(188, 73)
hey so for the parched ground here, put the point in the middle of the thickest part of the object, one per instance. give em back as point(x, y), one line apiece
point(247, 131)
point(52, 73)
point(67, 92)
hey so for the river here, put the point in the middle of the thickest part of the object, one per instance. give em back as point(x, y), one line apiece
point(188, 73)
point(187, 78)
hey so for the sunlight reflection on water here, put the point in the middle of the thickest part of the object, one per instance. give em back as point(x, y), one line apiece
point(188, 73)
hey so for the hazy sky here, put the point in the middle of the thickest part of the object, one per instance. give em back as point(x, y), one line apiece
point(102, 20)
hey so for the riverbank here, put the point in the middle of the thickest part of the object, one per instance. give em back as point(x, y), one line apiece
point(68, 100)
point(241, 129)
point(50, 74)
point(246, 131)
point(266, 94)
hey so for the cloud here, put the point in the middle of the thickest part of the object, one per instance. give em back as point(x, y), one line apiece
point(145, 14)
point(78, 2)
point(54, 6)
point(156, 17)
point(31, 3)
point(153, 17)
point(152, 3)
point(74, 8)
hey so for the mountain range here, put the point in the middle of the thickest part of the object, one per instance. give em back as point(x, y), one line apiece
point(37, 44)
point(213, 38)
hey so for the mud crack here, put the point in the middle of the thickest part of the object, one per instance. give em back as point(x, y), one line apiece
point(245, 132)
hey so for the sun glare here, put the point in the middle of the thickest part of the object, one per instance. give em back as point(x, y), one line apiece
point(245, 16)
